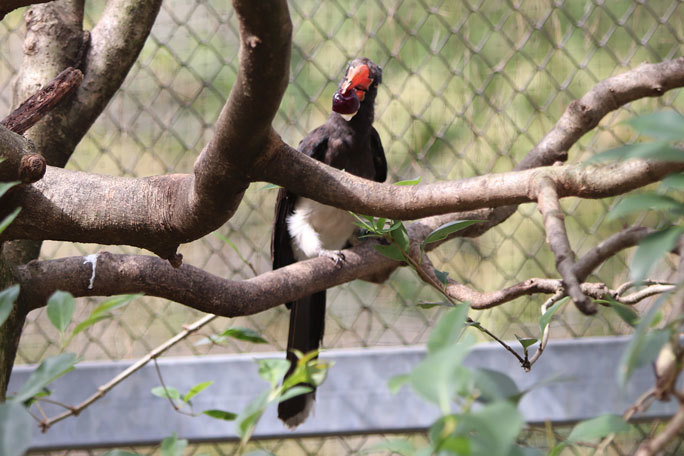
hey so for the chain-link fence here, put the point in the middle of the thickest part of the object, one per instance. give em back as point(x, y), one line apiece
point(469, 87)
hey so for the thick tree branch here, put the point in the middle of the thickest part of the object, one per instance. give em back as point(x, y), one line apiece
point(55, 40)
point(583, 267)
point(188, 212)
point(117, 274)
point(19, 158)
point(621, 240)
point(581, 116)
point(243, 129)
point(75, 206)
point(20, 161)
point(54, 37)
point(181, 208)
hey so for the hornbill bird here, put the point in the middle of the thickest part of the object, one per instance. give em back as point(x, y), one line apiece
point(305, 229)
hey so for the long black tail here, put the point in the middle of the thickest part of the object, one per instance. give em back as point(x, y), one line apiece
point(307, 319)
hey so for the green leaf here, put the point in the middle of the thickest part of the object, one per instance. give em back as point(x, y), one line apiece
point(270, 187)
point(173, 446)
point(493, 429)
point(9, 219)
point(448, 330)
point(248, 418)
point(60, 309)
point(4, 186)
point(645, 202)
point(8, 297)
point(493, 385)
point(114, 303)
point(441, 375)
point(169, 392)
point(409, 181)
point(526, 451)
point(442, 276)
point(651, 249)
point(444, 429)
point(545, 319)
point(120, 453)
point(654, 342)
point(657, 150)
point(49, 370)
point(395, 383)
point(445, 230)
point(556, 450)
point(625, 312)
point(234, 247)
point(430, 305)
point(195, 390)
point(390, 251)
point(640, 342)
point(220, 414)
point(246, 334)
point(598, 427)
point(88, 322)
point(526, 342)
point(663, 125)
point(16, 428)
point(273, 370)
point(102, 312)
point(674, 181)
point(308, 370)
point(401, 237)
point(392, 446)
point(617, 153)
point(363, 222)
point(293, 392)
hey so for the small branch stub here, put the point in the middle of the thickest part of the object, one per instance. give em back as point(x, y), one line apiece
point(32, 168)
point(43, 101)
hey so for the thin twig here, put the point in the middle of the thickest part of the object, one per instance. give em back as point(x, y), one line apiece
point(430, 279)
point(51, 401)
point(672, 429)
point(647, 292)
point(102, 390)
point(641, 404)
point(166, 391)
point(545, 338)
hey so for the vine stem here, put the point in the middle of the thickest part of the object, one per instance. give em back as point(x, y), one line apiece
point(430, 280)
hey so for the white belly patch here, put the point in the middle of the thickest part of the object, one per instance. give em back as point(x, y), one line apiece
point(314, 227)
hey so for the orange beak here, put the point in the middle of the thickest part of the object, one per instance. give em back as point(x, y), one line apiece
point(357, 79)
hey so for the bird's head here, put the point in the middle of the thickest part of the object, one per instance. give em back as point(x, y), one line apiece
point(359, 86)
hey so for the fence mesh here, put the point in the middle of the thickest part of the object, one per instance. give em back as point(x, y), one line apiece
point(468, 88)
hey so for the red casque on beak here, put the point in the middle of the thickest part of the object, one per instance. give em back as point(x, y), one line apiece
point(357, 79)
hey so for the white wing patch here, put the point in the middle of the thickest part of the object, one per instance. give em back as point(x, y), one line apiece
point(314, 227)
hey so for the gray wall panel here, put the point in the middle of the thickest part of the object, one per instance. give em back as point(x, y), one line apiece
point(353, 399)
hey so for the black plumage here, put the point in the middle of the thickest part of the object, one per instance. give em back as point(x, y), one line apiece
point(354, 146)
